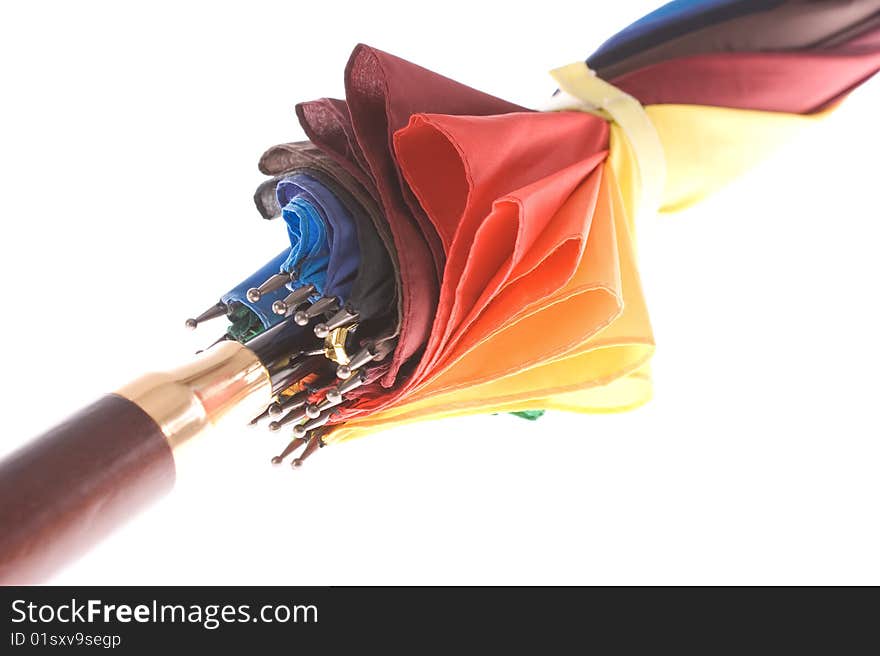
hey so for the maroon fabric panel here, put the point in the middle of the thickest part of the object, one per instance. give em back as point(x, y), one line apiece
point(798, 83)
point(327, 123)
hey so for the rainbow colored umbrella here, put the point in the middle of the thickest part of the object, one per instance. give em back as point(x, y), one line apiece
point(451, 253)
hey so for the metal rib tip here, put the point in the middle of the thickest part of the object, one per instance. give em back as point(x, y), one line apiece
point(297, 414)
point(317, 422)
point(333, 398)
point(327, 404)
point(352, 383)
point(290, 448)
point(301, 429)
point(293, 300)
point(272, 410)
point(213, 312)
point(313, 445)
point(358, 360)
point(224, 337)
point(277, 281)
point(321, 306)
point(262, 415)
point(312, 411)
point(344, 318)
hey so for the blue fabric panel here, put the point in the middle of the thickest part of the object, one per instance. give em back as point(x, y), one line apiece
point(340, 258)
point(670, 21)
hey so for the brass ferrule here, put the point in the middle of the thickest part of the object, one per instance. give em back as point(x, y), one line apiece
point(226, 382)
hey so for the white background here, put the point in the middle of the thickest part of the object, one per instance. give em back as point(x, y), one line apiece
point(128, 146)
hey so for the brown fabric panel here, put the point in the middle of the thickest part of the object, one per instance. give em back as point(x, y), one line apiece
point(71, 486)
point(856, 39)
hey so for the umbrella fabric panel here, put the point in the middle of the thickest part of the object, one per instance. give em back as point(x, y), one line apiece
point(707, 147)
point(858, 37)
point(309, 247)
point(344, 254)
point(796, 83)
point(327, 123)
point(670, 21)
point(603, 399)
point(791, 25)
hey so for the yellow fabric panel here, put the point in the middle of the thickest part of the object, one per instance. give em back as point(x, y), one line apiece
point(707, 147)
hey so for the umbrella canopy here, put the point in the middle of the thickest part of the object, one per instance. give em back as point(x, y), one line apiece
point(509, 233)
point(589, 357)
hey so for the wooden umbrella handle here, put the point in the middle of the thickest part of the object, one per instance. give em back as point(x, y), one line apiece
point(71, 486)
point(68, 488)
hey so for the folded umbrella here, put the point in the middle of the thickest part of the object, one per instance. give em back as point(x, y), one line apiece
point(494, 245)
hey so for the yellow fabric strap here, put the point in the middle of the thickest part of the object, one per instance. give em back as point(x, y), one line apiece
point(582, 90)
